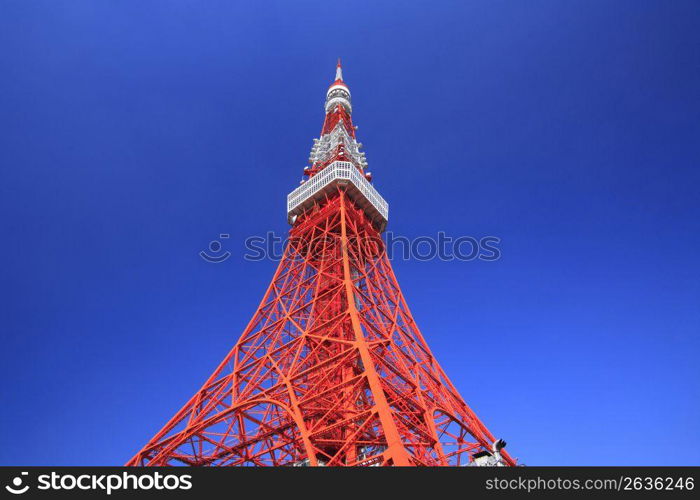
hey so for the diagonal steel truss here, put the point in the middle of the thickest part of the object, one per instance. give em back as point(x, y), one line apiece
point(331, 370)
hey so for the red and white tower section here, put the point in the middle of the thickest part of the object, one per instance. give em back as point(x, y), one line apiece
point(331, 369)
point(336, 160)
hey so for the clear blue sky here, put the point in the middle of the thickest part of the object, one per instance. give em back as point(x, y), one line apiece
point(133, 133)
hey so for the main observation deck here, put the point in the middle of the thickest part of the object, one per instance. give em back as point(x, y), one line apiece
point(358, 188)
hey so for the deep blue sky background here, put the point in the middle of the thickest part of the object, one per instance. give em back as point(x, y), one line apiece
point(133, 133)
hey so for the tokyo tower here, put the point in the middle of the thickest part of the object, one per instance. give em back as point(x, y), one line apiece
point(332, 369)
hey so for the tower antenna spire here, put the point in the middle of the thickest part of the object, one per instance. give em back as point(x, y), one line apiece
point(339, 71)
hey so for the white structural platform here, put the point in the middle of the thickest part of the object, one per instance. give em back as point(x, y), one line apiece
point(339, 173)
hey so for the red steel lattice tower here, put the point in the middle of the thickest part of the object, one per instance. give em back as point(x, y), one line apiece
point(332, 369)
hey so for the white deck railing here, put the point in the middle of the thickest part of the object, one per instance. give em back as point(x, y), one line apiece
point(364, 193)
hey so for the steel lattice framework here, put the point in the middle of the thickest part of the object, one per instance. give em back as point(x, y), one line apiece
point(332, 369)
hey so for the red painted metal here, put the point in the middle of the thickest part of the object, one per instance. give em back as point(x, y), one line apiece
point(331, 370)
point(334, 117)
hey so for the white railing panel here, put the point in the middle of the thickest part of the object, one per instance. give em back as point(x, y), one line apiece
point(338, 170)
